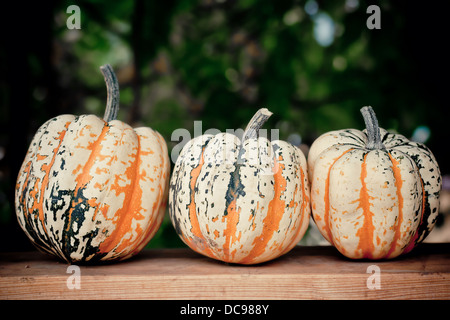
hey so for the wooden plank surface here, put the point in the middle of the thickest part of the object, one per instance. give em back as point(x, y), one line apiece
point(303, 273)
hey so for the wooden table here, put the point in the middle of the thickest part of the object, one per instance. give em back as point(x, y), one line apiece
point(303, 273)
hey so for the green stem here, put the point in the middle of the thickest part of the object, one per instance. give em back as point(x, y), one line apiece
point(112, 87)
point(251, 132)
point(373, 130)
point(255, 123)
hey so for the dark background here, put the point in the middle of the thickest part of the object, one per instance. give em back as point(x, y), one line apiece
point(219, 61)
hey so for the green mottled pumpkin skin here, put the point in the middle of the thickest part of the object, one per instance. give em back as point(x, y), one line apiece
point(239, 201)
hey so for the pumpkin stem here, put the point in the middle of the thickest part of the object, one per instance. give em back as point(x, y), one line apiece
point(112, 88)
point(256, 122)
point(373, 130)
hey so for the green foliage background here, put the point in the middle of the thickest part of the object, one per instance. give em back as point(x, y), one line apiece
point(218, 61)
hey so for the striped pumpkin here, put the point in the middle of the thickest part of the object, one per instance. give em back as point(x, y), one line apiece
point(92, 189)
point(374, 194)
point(240, 201)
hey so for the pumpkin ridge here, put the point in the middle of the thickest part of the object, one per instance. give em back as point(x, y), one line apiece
point(39, 205)
point(305, 201)
point(78, 198)
point(424, 205)
point(195, 227)
point(398, 185)
point(326, 198)
point(305, 198)
point(162, 187)
point(298, 202)
point(26, 167)
point(84, 177)
point(134, 204)
point(413, 242)
point(22, 203)
point(430, 193)
point(25, 185)
point(115, 241)
point(50, 245)
point(365, 233)
point(79, 204)
point(101, 205)
point(272, 220)
point(350, 133)
point(34, 213)
point(232, 213)
point(232, 219)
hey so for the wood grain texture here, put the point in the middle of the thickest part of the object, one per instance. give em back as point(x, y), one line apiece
point(303, 273)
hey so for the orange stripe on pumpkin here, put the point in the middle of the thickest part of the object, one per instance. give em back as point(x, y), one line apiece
point(199, 243)
point(22, 198)
point(272, 220)
point(130, 210)
point(365, 233)
point(398, 185)
point(232, 218)
point(39, 204)
point(163, 202)
point(84, 177)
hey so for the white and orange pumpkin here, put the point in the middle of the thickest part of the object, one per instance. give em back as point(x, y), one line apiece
point(374, 194)
point(92, 189)
point(239, 201)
